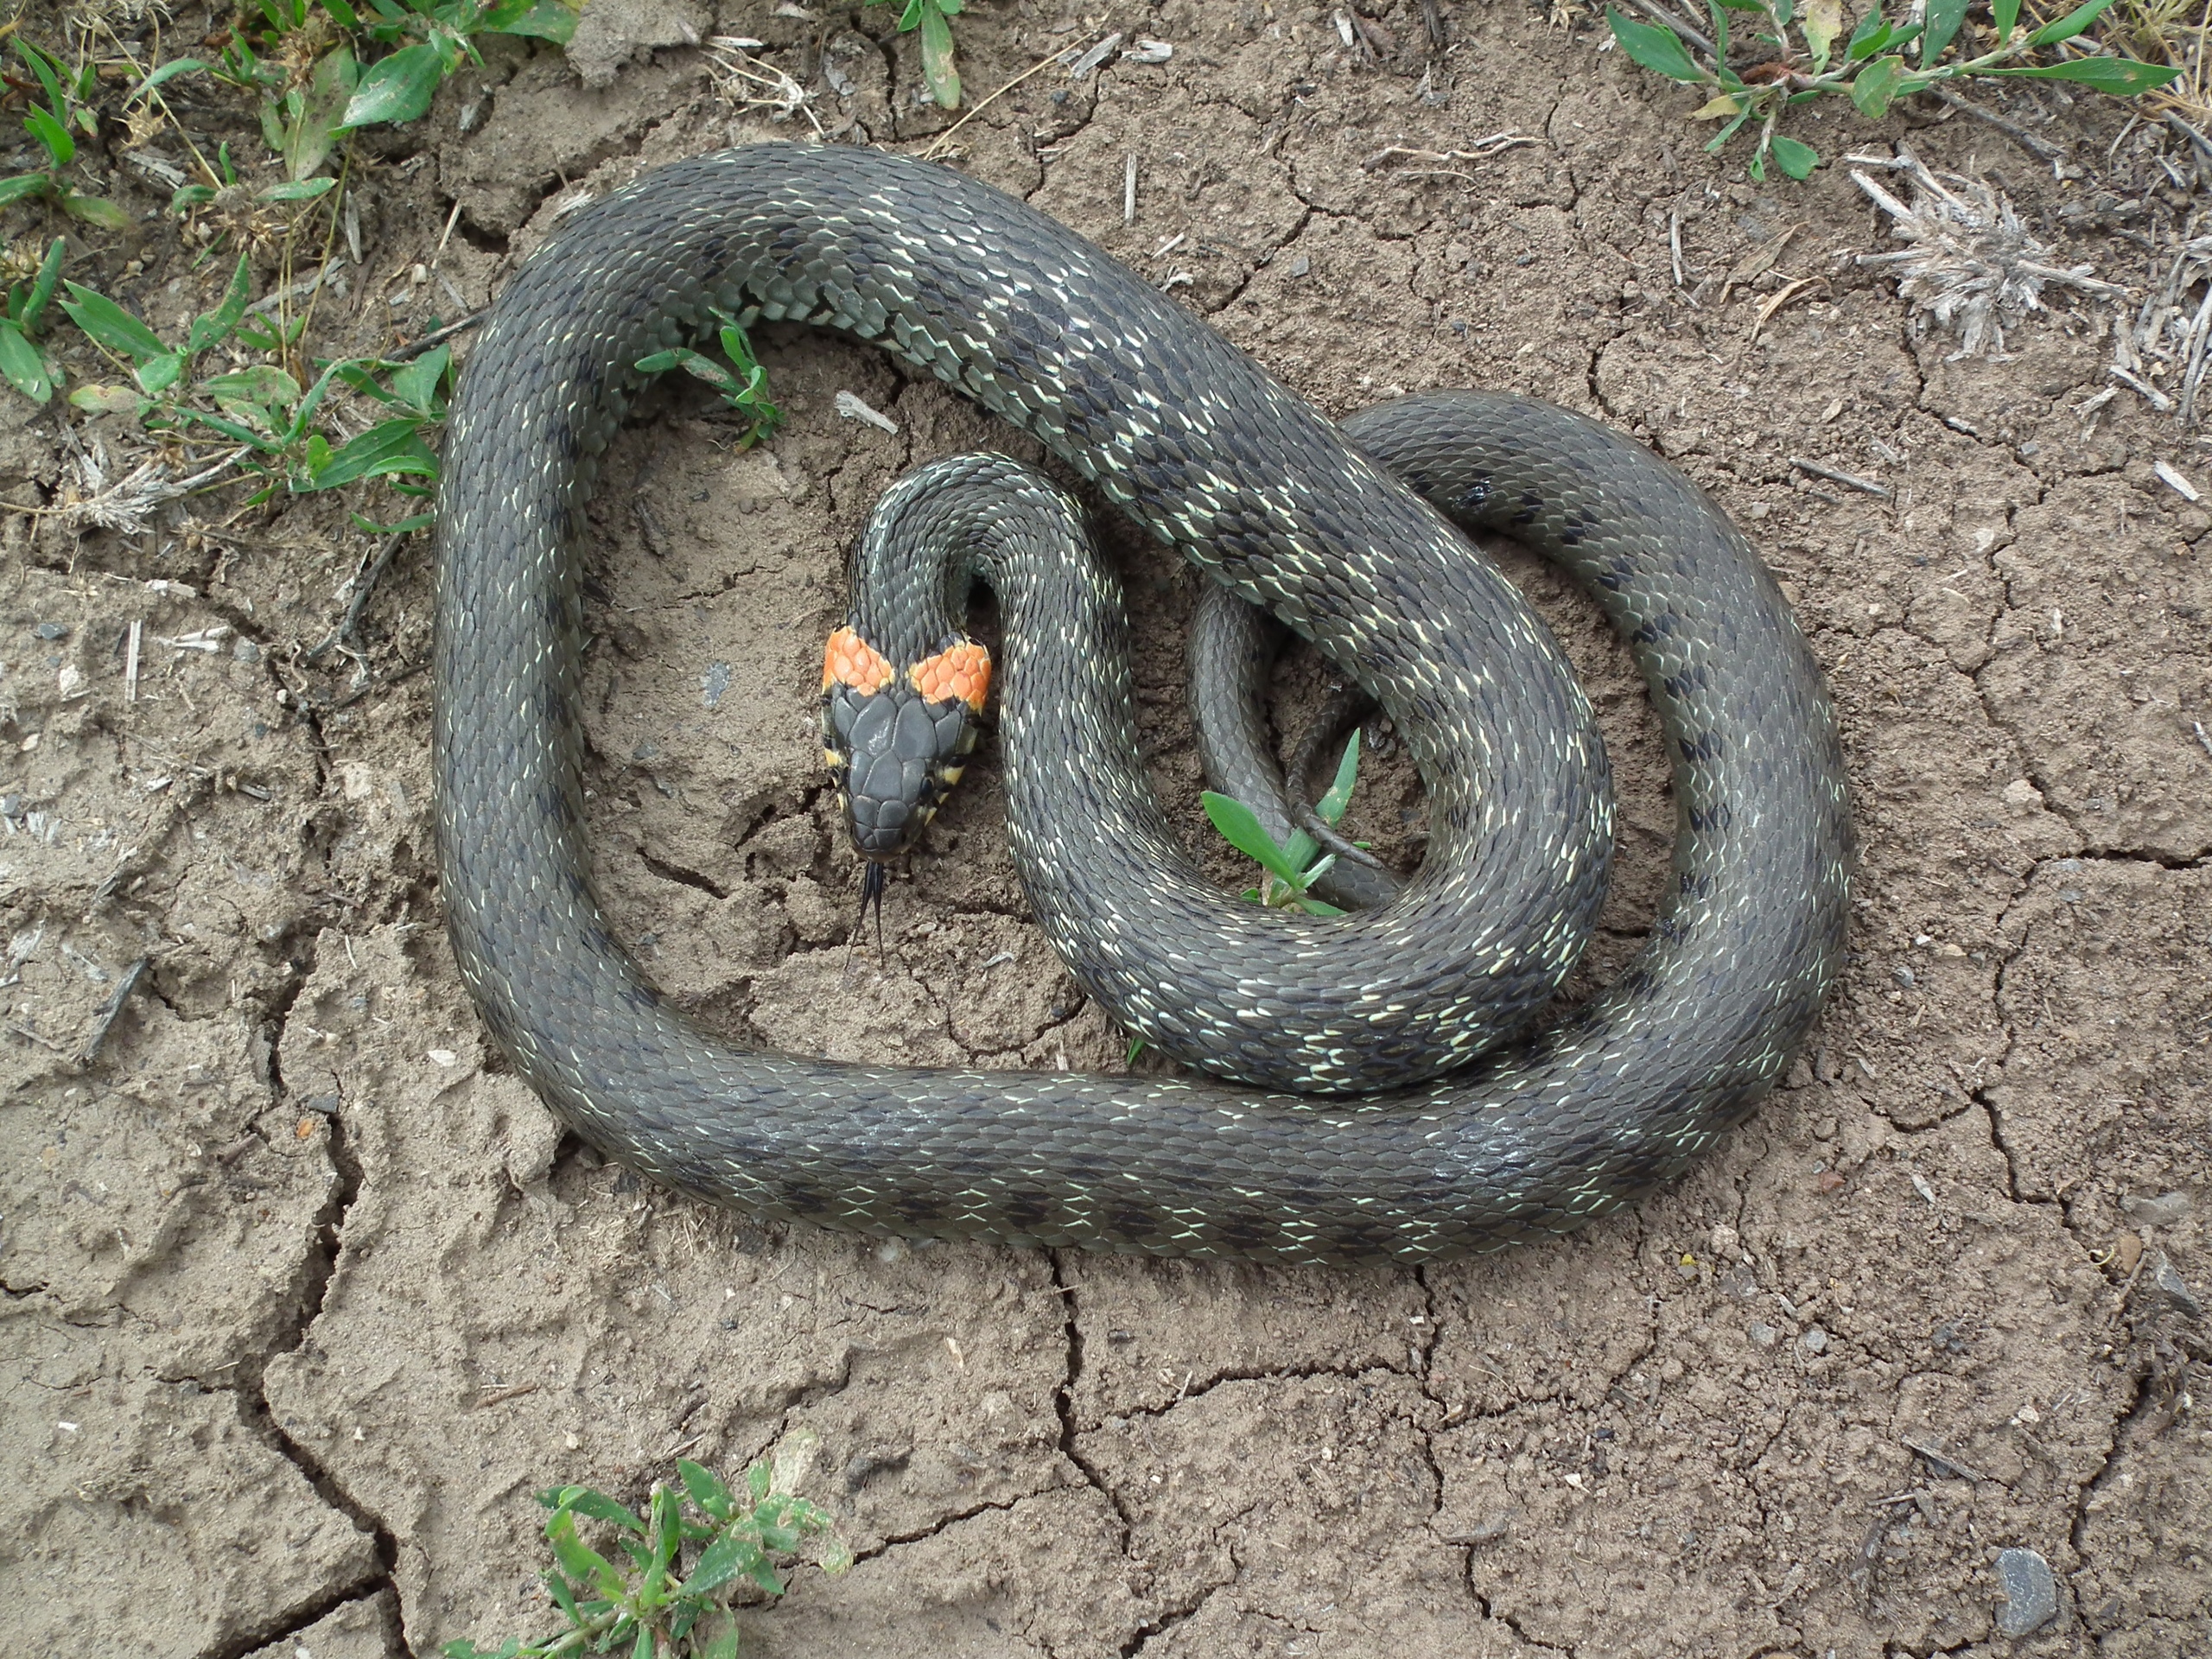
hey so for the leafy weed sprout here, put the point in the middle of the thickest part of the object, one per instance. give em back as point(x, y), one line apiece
point(667, 1596)
point(744, 386)
point(933, 18)
point(67, 107)
point(260, 407)
point(1286, 869)
point(1873, 67)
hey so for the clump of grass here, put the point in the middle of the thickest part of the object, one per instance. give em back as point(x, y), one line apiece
point(1879, 62)
point(667, 1596)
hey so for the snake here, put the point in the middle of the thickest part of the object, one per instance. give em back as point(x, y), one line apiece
point(1535, 1136)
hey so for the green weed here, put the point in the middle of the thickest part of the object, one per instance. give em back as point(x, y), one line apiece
point(66, 111)
point(1287, 870)
point(933, 18)
point(695, 1544)
point(21, 361)
point(304, 115)
point(1870, 66)
point(260, 406)
point(743, 385)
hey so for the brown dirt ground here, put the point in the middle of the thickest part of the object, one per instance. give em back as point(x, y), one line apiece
point(306, 1292)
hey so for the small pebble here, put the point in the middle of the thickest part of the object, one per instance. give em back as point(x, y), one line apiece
point(2174, 1287)
point(2163, 1210)
point(51, 630)
point(1764, 1335)
point(1904, 977)
point(2031, 1592)
point(1816, 1341)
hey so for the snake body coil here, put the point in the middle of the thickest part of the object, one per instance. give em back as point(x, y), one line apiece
point(1215, 459)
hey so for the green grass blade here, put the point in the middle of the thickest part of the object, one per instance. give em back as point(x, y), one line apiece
point(24, 368)
point(1333, 804)
point(1241, 828)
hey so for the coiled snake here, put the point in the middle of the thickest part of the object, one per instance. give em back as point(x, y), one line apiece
point(1200, 447)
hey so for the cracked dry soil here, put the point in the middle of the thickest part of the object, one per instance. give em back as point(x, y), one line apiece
point(306, 1292)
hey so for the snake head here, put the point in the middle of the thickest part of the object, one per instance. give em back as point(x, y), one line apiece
point(895, 744)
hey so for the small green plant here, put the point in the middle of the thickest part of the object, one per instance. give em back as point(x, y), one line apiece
point(1871, 68)
point(69, 95)
point(743, 385)
point(431, 37)
point(694, 1545)
point(933, 18)
point(21, 361)
point(261, 407)
point(304, 115)
point(1287, 871)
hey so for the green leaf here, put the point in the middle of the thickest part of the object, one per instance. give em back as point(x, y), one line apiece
point(217, 326)
point(312, 128)
point(95, 210)
point(2121, 77)
point(2071, 25)
point(1241, 828)
point(398, 88)
point(1319, 907)
point(387, 448)
point(1870, 37)
point(1823, 21)
point(1876, 84)
point(161, 76)
point(578, 1559)
point(261, 388)
point(299, 189)
point(23, 184)
point(1333, 804)
point(546, 20)
point(236, 433)
point(158, 374)
point(2005, 14)
point(51, 133)
point(729, 1556)
point(344, 13)
point(415, 383)
point(758, 1480)
point(645, 1648)
point(111, 325)
point(20, 363)
point(564, 1597)
point(190, 196)
point(582, 1499)
point(106, 400)
point(667, 1533)
point(707, 1489)
point(724, 1646)
point(1797, 160)
point(1656, 47)
point(695, 364)
point(49, 273)
point(937, 58)
point(1943, 21)
point(48, 73)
